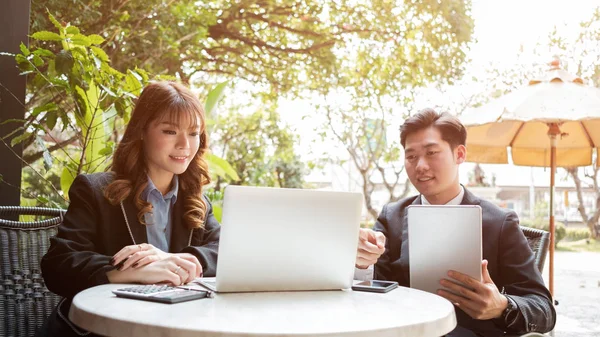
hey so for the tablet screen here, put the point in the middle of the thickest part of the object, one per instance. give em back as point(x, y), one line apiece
point(443, 238)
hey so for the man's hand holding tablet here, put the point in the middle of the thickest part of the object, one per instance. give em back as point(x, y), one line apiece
point(480, 300)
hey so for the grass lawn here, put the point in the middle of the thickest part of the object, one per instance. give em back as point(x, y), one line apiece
point(585, 245)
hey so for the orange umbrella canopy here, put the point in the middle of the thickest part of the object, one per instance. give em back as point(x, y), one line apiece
point(520, 120)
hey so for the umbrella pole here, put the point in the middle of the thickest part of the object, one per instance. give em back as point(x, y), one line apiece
point(553, 131)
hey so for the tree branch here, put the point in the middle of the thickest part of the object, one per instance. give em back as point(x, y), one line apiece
point(35, 156)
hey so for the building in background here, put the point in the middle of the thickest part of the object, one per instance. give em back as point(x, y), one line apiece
point(521, 189)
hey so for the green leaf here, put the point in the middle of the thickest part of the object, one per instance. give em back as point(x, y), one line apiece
point(218, 212)
point(123, 109)
point(19, 138)
point(64, 62)
point(21, 59)
point(54, 21)
point(43, 52)
point(142, 73)
point(106, 151)
point(51, 106)
point(128, 94)
point(133, 83)
point(66, 180)
point(95, 39)
point(100, 53)
point(13, 132)
point(136, 75)
point(13, 120)
point(97, 62)
point(24, 49)
point(23, 63)
point(65, 121)
point(214, 96)
point(82, 105)
point(40, 80)
point(91, 123)
point(80, 54)
point(221, 167)
point(73, 30)
point(46, 36)
point(42, 199)
point(111, 71)
point(37, 61)
point(161, 77)
point(108, 91)
point(38, 126)
point(45, 154)
point(51, 118)
point(59, 82)
point(80, 40)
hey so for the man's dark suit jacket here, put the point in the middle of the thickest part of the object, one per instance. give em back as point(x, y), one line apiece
point(93, 231)
point(510, 264)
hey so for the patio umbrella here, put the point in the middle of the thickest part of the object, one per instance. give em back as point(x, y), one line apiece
point(552, 122)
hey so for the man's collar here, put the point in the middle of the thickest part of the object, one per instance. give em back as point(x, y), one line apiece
point(455, 201)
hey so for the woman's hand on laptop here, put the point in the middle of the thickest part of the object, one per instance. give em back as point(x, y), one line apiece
point(371, 245)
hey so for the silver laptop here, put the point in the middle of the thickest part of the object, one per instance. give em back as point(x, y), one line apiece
point(276, 239)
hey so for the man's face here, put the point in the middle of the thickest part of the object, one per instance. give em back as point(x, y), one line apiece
point(432, 166)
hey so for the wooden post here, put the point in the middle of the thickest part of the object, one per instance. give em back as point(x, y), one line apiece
point(14, 25)
point(553, 131)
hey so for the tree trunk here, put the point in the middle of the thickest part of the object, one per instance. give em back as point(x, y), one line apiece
point(367, 188)
point(590, 220)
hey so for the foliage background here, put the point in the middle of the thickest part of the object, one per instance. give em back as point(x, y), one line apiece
point(369, 54)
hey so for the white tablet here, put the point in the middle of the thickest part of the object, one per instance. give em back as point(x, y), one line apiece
point(443, 238)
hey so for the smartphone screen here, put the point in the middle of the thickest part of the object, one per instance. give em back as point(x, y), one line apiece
point(376, 284)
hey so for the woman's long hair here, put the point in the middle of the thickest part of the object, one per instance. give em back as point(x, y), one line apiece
point(159, 101)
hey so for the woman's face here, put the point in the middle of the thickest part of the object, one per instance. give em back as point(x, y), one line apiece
point(169, 147)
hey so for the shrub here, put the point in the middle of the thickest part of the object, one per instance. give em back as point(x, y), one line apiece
point(576, 234)
point(543, 224)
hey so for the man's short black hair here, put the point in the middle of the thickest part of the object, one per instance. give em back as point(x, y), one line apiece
point(452, 130)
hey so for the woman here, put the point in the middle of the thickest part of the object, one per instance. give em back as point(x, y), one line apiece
point(146, 221)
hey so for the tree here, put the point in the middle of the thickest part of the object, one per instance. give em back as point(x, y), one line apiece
point(77, 98)
point(591, 179)
point(78, 103)
point(587, 46)
point(377, 78)
point(287, 46)
point(259, 148)
point(364, 136)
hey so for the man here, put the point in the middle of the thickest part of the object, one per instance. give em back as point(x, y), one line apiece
point(511, 298)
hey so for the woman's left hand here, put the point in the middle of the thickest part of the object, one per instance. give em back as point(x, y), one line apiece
point(137, 256)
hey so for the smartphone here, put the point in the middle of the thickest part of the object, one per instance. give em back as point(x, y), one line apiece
point(375, 286)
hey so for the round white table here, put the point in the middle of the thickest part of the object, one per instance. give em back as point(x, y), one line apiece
point(400, 312)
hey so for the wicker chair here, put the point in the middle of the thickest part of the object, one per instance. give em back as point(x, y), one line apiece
point(25, 302)
point(539, 241)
